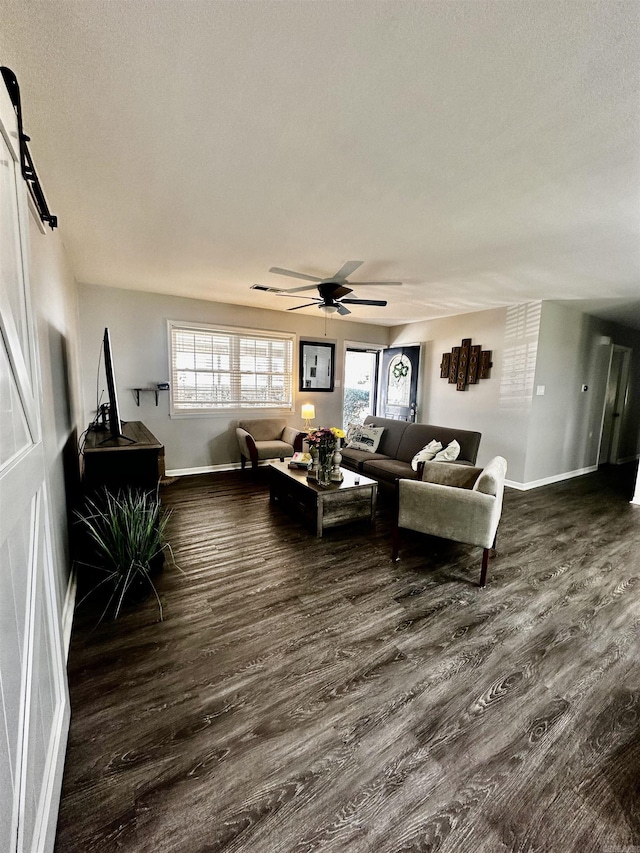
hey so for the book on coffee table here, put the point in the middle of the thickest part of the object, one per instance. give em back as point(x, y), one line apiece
point(300, 460)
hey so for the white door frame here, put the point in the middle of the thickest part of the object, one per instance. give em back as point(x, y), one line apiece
point(620, 406)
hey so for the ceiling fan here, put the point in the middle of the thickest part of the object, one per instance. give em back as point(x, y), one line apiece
point(332, 290)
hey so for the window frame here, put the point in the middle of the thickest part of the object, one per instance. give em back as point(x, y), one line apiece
point(374, 349)
point(239, 332)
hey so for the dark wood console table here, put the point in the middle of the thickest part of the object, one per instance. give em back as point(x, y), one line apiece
point(114, 463)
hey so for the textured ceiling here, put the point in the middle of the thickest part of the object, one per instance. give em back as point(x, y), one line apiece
point(484, 153)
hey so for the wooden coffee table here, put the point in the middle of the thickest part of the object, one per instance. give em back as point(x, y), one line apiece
point(340, 503)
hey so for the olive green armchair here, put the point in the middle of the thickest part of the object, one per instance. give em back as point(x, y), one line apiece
point(456, 502)
point(267, 438)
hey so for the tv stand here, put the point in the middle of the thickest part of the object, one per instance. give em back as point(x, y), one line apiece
point(133, 460)
point(120, 440)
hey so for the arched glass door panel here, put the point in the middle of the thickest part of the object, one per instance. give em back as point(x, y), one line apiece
point(399, 381)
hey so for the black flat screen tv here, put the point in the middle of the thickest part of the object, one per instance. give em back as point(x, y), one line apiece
point(114, 426)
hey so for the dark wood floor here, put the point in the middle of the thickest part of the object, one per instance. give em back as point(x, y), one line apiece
point(311, 695)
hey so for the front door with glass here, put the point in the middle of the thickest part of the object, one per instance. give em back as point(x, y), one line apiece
point(399, 383)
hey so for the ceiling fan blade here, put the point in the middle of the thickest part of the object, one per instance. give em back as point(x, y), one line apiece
point(369, 283)
point(341, 309)
point(308, 305)
point(295, 274)
point(293, 296)
point(380, 302)
point(299, 289)
point(346, 270)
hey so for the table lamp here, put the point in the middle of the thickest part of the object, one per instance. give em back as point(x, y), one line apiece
point(308, 413)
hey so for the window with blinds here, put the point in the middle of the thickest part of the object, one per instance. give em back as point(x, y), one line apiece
point(218, 369)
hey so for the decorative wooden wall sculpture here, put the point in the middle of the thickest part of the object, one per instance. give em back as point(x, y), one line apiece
point(465, 365)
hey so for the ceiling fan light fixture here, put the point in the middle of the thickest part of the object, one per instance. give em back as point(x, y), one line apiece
point(331, 291)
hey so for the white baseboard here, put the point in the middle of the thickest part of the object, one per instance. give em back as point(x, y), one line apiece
point(204, 469)
point(554, 478)
point(628, 459)
point(68, 610)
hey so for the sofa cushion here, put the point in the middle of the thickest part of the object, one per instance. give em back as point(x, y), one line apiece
point(273, 449)
point(366, 438)
point(389, 470)
point(450, 474)
point(416, 436)
point(355, 459)
point(264, 429)
point(393, 432)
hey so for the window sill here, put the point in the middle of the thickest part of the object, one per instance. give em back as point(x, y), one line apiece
point(231, 414)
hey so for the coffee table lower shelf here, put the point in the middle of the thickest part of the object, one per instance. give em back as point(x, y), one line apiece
point(340, 503)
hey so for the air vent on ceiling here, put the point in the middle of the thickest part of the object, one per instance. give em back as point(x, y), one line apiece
point(264, 287)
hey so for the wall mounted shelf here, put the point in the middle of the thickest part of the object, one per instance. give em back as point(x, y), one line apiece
point(138, 391)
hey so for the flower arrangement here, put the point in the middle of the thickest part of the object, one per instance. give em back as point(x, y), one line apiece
point(324, 442)
point(325, 437)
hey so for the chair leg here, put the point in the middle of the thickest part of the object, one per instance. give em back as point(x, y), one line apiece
point(485, 563)
point(395, 540)
point(243, 462)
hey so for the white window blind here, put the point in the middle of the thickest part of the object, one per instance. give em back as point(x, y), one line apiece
point(218, 369)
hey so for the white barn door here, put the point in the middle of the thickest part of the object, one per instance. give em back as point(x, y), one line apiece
point(34, 707)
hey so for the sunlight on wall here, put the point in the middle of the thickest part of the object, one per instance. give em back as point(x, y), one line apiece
point(522, 329)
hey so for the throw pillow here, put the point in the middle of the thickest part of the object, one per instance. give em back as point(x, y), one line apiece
point(427, 453)
point(366, 438)
point(451, 452)
point(349, 431)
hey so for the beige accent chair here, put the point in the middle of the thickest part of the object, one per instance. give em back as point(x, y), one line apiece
point(454, 502)
point(267, 438)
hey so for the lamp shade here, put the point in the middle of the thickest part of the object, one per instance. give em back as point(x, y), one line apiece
point(308, 412)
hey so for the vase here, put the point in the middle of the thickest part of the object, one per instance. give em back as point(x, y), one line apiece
point(336, 473)
point(312, 470)
point(325, 465)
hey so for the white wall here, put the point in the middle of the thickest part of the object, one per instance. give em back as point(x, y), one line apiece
point(55, 306)
point(499, 406)
point(543, 437)
point(564, 430)
point(138, 326)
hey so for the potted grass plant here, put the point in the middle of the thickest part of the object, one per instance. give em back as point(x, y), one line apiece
point(127, 541)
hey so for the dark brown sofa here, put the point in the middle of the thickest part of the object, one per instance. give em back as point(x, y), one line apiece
point(400, 442)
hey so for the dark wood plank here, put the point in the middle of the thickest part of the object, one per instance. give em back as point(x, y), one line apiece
point(463, 364)
point(313, 695)
point(474, 357)
point(453, 365)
